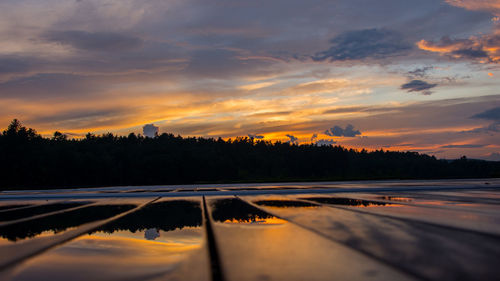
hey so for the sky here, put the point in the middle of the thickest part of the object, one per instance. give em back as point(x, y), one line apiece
point(394, 74)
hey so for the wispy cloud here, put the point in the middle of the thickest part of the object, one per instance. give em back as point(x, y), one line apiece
point(362, 44)
point(96, 41)
point(463, 146)
point(491, 114)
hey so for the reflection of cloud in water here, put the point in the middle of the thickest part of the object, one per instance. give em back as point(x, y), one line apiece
point(166, 216)
point(61, 222)
point(235, 211)
point(151, 233)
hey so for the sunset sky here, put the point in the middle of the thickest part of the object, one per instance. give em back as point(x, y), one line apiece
point(394, 74)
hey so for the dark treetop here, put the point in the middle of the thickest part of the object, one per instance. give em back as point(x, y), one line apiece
point(29, 160)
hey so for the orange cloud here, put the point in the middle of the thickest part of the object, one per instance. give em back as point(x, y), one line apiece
point(485, 48)
point(492, 6)
point(482, 48)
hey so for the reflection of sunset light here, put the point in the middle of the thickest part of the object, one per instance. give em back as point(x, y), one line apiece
point(391, 198)
point(257, 220)
point(185, 236)
point(372, 205)
point(107, 257)
point(47, 233)
point(175, 246)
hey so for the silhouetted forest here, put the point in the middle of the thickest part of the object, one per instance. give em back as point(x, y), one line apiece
point(29, 160)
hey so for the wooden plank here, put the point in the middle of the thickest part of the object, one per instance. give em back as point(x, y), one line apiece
point(272, 249)
point(423, 250)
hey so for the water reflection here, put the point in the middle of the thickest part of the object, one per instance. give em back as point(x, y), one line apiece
point(285, 203)
point(346, 201)
point(166, 216)
point(235, 211)
point(60, 222)
point(37, 210)
point(107, 257)
point(395, 198)
point(139, 246)
point(151, 233)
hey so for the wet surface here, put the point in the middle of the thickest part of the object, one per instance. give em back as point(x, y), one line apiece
point(142, 245)
point(236, 212)
point(422, 250)
point(425, 230)
point(233, 210)
point(58, 223)
point(4, 208)
point(283, 251)
point(482, 222)
point(346, 201)
point(37, 210)
point(284, 203)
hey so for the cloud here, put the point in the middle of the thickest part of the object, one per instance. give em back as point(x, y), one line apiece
point(420, 72)
point(321, 142)
point(293, 139)
point(463, 146)
point(491, 114)
point(484, 48)
point(313, 138)
point(96, 41)
point(223, 63)
point(47, 85)
point(13, 65)
point(418, 86)
point(252, 136)
point(492, 6)
point(325, 142)
point(150, 130)
point(337, 131)
point(151, 233)
point(490, 129)
point(362, 44)
point(494, 156)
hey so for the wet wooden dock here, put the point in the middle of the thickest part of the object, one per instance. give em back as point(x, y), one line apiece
point(384, 230)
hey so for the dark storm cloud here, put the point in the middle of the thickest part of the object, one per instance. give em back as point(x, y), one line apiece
point(491, 114)
point(418, 86)
point(96, 41)
point(362, 44)
point(463, 146)
point(337, 131)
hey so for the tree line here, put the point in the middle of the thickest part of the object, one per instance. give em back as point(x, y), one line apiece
point(29, 160)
